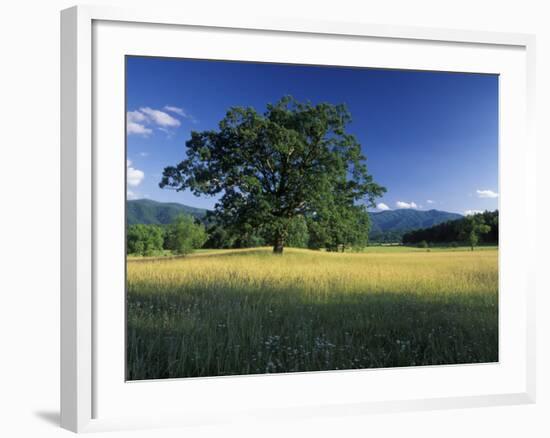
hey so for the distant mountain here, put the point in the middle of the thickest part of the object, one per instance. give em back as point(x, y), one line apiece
point(387, 225)
point(392, 224)
point(147, 211)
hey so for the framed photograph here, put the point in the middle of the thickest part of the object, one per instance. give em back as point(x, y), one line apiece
point(277, 219)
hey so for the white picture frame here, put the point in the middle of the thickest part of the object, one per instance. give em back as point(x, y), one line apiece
point(86, 377)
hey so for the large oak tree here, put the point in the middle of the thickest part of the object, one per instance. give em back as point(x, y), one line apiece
point(294, 160)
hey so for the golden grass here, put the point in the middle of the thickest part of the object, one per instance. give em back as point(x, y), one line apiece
point(426, 272)
point(249, 311)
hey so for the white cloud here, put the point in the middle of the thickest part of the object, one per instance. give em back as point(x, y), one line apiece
point(160, 117)
point(143, 120)
point(486, 194)
point(401, 204)
point(135, 116)
point(382, 206)
point(144, 154)
point(136, 128)
point(180, 112)
point(135, 123)
point(133, 176)
point(429, 201)
point(472, 212)
point(131, 195)
point(175, 109)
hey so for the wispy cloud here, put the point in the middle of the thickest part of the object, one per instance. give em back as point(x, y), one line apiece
point(175, 109)
point(430, 201)
point(472, 212)
point(486, 194)
point(136, 128)
point(181, 112)
point(144, 154)
point(135, 124)
point(133, 176)
point(382, 206)
point(160, 118)
point(143, 120)
point(402, 204)
point(131, 195)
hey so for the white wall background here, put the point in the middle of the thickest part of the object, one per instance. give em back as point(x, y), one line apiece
point(29, 215)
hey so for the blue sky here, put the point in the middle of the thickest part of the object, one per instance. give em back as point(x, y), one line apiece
point(431, 138)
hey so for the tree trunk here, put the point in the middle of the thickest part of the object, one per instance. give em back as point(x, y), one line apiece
point(278, 246)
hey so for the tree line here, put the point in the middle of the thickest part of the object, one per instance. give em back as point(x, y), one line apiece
point(180, 237)
point(473, 229)
point(187, 234)
point(313, 232)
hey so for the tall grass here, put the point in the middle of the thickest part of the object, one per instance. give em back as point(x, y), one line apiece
point(249, 311)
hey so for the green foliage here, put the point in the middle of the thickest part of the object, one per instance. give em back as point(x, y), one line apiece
point(338, 229)
point(219, 237)
point(473, 229)
point(298, 233)
point(385, 227)
point(185, 235)
point(423, 244)
point(144, 240)
point(248, 238)
point(294, 160)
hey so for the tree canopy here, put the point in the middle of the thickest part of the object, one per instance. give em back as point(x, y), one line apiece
point(295, 160)
point(474, 226)
point(144, 239)
point(184, 235)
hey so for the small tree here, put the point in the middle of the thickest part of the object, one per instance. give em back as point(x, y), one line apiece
point(144, 239)
point(474, 226)
point(184, 235)
point(338, 229)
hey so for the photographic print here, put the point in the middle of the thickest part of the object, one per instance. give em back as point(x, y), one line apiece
point(289, 218)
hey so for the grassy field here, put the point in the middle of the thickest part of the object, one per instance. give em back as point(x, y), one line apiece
point(225, 312)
